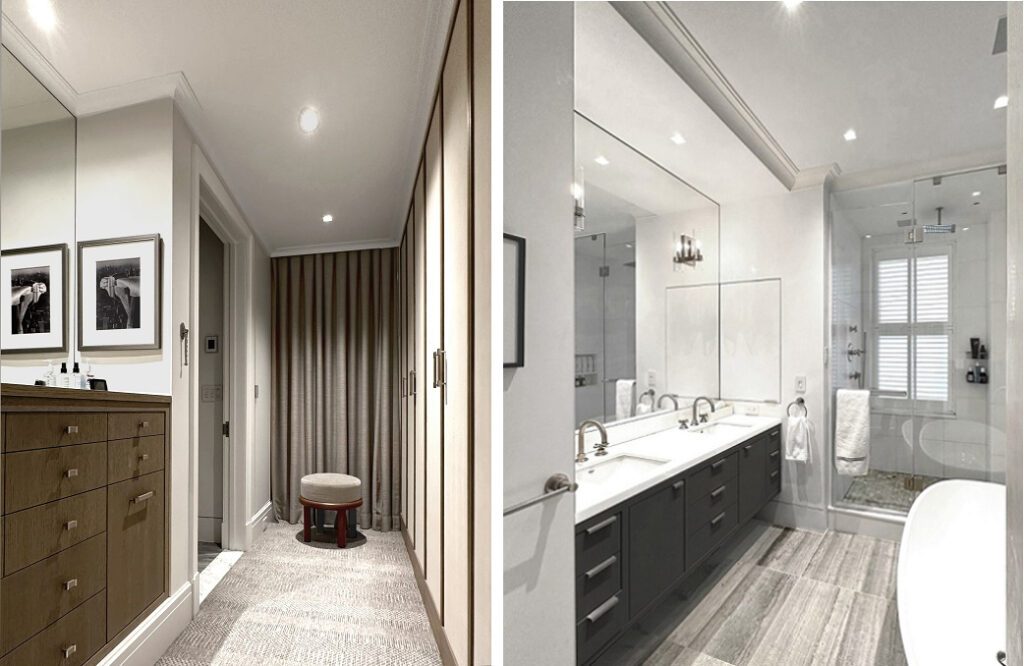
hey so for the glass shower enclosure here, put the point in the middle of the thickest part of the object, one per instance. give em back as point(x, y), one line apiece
point(918, 307)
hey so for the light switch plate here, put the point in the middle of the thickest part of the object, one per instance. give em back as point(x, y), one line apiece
point(652, 378)
point(801, 384)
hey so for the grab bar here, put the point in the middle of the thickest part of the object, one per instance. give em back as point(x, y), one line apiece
point(555, 485)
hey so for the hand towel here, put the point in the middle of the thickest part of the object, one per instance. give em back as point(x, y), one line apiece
point(624, 390)
point(798, 438)
point(853, 428)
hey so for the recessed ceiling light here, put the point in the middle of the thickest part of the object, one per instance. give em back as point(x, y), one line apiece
point(678, 139)
point(43, 14)
point(309, 120)
point(1001, 102)
point(975, 194)
point(328, 218)
point(849, 134)
point(602, 160)
point(791, 4)
point(967, 228)
point(867, 235)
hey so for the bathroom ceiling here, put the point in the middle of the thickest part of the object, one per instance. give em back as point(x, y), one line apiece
point(25, 100)
point(369, 67)
point(916, 80)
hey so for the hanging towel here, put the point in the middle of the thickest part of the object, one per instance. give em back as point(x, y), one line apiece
point(799, 431)
point(624, 390)
point(852, 431)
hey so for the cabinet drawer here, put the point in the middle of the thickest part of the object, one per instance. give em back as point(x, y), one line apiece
point(774, 439)
point(774, 482)
point(710, 534)
point(599, 626)
point(598, 583)
point(36, 597)
point(710, 476)
point(32, 478)
point(129, 458)
point(699, 512)
point(36, 533)
point(69, 642)
point(135, 552)
point(38, 431)
point(597, 540)
point(135, 424)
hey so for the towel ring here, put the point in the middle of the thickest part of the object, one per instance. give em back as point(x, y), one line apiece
point(799, 402)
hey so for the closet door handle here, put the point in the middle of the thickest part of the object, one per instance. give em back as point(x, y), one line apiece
point(143, 497)
point(437, 373)
point(404, 392)
point(412, 382)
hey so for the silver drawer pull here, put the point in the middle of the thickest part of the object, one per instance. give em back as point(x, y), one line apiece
point(600, 567)
point(603, 609)
point(71, 584)
point(70, 525)
point(607, 522)
point(717, 519)
point(143, 497)
point(773, 475)
point(717, 466)
point(677, 486)
point(71, 473)
point(70, 430)
point(69, 650)
point(775, 434)
point(773, 454)
point(143, 424)
point(144, 457)
point(717, 492)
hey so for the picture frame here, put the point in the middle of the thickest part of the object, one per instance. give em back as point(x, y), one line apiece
point(38, 321)
point(120, 293)
point(514, 301)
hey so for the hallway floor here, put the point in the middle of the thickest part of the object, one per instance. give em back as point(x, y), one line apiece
point(784, 597)
point(287, 602)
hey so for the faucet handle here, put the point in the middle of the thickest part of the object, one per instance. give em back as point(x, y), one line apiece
point(684, 424)
point(704, 418)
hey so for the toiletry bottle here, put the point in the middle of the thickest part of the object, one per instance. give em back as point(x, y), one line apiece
point(89, 376)
point(76, 376)
point(975, 342)
point(982, 352)
point(48, 377)
point(970, 376)
point(982, 375)
point(63, 380)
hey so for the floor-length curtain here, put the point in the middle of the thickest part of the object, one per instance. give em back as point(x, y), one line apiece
point(333, 376)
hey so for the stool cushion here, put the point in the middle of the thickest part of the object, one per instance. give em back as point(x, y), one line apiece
point(327, 488)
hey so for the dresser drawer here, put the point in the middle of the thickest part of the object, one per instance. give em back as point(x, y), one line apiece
point(596, 540)
point(71, 641)
point(36, 477)
point(710, 534)
point(135, 553)
point(38, 596)
point(129, 458)
point(135, 424)
point(38, 431)
point(700, 511)
point(36, 533)
point(599, 626)
point(710, 476)
point(598, 583)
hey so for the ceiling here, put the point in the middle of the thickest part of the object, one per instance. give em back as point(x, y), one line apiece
point(369, 67)
point(916, 80)
point(24, 100)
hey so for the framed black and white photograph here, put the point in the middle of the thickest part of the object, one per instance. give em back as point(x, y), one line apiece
point(119, 293)
point(36, 321)
point(514, 300)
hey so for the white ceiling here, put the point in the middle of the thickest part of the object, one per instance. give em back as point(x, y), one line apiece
point(369, 67)
point(916, 80)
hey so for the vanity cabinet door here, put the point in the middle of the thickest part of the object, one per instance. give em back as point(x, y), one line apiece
point(753, 477)
point(135, 548)
point(657, 544)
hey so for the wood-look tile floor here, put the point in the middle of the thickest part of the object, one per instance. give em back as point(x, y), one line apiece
point(784, 597)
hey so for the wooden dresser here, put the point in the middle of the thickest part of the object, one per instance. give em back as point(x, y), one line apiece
point(83, 520)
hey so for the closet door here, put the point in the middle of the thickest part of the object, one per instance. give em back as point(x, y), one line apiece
point(434, 280)
point(403, 382)
point(409, 353)
point(457, 240)
point(422, 377)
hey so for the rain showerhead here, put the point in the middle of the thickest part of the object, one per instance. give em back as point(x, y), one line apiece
point(939, 227)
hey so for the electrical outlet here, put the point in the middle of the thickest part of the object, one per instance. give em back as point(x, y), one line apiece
point(652, 378)
point(801, 384)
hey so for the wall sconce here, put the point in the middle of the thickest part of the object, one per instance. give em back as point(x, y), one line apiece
point(688, 251)
point(579, 217)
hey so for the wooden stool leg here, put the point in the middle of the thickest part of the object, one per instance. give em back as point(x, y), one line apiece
point(306, 536)
point(341, 527)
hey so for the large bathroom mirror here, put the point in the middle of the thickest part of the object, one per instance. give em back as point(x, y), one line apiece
point(647, 283)
point(37, 233)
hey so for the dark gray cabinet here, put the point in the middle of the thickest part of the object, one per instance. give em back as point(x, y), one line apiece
point(629, 557)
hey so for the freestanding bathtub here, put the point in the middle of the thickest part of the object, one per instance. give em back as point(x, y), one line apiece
point(951, 577)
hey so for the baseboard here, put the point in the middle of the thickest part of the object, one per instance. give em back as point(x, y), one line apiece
point(797, 516)
point(443, 648)
point(209, 529)
point(149, 641)
point(255, 525)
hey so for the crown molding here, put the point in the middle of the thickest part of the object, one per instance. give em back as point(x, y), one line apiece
point(328, 248)
point(25, 51)
point(917, 170)
point(815, 176)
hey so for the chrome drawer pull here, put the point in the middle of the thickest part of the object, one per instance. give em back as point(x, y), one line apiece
point(69, 650)
point(775, 434)
point(71, 473)
point(600, 567)
point(717, 492)
point(607, 522)
point(601, 610)
point(773, 454)
point(70, 525)
point(717, 519)
point(718, 465)
point(773, 474)
point(70, 430)
point(143, 497)
point(677, 486)
point(143, 424)
point(71, 584)
point(144, 457)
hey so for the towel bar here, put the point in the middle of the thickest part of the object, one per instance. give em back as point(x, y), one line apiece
point(799, 402)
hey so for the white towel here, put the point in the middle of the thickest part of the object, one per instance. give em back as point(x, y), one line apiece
point(624, 390)
point(853, 428)
point(798, 438)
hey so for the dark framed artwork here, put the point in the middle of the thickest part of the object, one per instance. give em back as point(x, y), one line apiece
point(119, 293)
point(514, 301)
point(37, 320)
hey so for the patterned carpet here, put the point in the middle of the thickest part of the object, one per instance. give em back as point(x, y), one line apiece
point(287, 602)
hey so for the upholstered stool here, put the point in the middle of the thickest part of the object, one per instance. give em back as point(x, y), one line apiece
point(331, 492)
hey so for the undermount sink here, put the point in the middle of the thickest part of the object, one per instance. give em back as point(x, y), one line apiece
point(620, 469)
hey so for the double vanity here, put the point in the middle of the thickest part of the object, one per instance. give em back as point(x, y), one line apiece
point(652, 510)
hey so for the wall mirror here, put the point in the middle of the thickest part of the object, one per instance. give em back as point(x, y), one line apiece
point(37, 236)
point(646, 283)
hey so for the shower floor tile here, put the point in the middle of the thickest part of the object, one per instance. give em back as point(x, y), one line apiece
point(884, 490)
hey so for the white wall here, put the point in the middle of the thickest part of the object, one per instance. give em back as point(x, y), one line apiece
point(260, 494)
point(539, 603)
point(211, 383)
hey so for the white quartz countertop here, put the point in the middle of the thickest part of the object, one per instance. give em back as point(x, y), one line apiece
point(634, 466)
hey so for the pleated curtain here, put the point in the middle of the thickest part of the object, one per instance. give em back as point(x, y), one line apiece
point(334, 374)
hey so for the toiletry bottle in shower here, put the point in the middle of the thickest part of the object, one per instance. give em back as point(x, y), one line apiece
point(63, 381)
point(970, 376)
point(982, 375)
